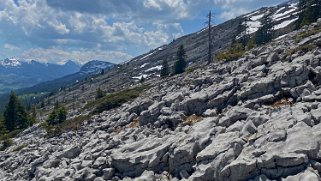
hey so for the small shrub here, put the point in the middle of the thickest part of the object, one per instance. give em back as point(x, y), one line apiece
point(282, 102)
point(73, 124)
point(191, 120)
point(99, 93)
point(6, 142)
point(20, 147)
point(305, 34)
point(58, 115)
point(306, 48)
point(318, 43)
point(114, 100)
point(190, 69)
point(14, 133)
point(236, 51)
point(134, 123)
point(303, 48)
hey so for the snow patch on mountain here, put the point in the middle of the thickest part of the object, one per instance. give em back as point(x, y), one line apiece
point(142, 66)
point(285, 13)
point(95, 66)
point(253, 26)
point(257, 17)
point(278, 15)
point(10, 62)
point(149, 54)
point(159, 67)
point(140, 76)
point(285, 24)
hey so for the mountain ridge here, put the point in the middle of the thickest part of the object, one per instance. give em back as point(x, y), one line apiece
point(17, 74)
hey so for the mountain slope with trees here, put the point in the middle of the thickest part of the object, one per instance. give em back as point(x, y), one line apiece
point(16, 74)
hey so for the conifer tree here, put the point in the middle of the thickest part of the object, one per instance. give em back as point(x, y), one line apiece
point(309, 12)
point(15, 115)
point(180, 64)
point(58, 115)
point(102, 72)
point(241, 30)
point(165, 69)
point(142, 79)
point(99, 93)
point(265, 33)
point(33, 116)
point(42, 104)
point(3, 129)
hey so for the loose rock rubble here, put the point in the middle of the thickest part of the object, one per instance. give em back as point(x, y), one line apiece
point(257, 118)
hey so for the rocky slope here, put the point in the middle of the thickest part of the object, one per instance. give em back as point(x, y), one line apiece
point(196, 46)
point(257, 118)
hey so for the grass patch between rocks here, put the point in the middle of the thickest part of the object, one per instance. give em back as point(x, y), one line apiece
point(191, 120)
point(134, 123)
point(308, 33)
point(282, 102)
point(300, 49)
point(233, 53)
point(114, 100)
point(20, 147)
point(5, 143)
point(73, 124)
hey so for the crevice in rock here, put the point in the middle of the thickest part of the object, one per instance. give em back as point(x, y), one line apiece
point(313, 77)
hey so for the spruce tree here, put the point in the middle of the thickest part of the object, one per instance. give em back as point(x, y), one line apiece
point(15, 115)
point(309, 12)
point(33, 115)
point(3, 129)
point(241, 30)
point(165, 69)
point(142, 79)
point(102, 72)
point(58, 115)
point(315, 10)
point(265, 33)
point(62, 114)
point(180, 64)
point(99, 93)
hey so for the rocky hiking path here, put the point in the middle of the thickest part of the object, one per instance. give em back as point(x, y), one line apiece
point(257, 118)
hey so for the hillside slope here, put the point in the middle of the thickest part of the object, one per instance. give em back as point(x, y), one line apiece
point(255, 118)
point(196, 46)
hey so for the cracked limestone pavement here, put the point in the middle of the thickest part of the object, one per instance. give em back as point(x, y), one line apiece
point(257, 118)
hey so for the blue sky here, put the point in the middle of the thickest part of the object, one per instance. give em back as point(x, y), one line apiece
point(111, 30)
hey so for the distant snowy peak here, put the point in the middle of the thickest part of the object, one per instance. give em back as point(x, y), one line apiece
point(10, 62)
point(95, 66)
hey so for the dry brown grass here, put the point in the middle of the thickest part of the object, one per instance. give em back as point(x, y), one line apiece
point(73, 124)
point(282, 102)
point(134, 123)
point(118, 129)
point(191, 120)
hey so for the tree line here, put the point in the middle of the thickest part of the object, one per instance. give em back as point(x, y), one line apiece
point(16, 117)
point(309, 12)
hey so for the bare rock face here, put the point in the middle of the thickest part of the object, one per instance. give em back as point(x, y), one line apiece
point(256, 118)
